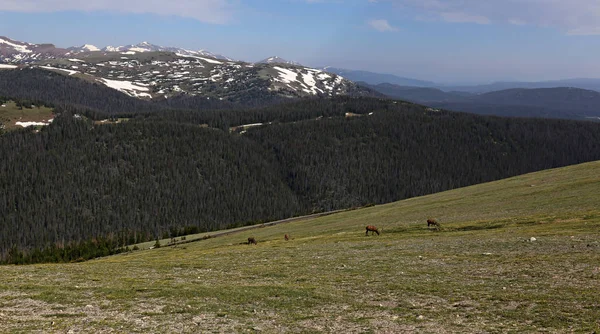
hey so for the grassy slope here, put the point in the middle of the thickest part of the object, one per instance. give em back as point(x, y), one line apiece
point(11, 114)
point(478, 274)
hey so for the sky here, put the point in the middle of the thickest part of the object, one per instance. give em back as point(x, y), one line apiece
point(447, 41)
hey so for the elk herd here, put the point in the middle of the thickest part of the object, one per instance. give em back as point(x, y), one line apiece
point(370, 228)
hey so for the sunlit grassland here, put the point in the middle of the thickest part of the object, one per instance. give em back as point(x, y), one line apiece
point(480, 273)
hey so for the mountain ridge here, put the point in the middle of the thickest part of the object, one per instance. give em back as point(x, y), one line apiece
point(17, 52)
point(149, 47)
point(149, 71)
point(582, 83)
point(556, 102)
point(374, 78)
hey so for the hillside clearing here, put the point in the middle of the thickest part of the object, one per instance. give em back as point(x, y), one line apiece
point(14, 117)
point(481, 273)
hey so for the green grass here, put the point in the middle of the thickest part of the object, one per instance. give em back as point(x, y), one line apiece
point(10, 114)
point(479, 273)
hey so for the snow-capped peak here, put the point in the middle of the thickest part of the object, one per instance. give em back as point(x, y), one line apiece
point(278, 60)
point(90, 47)
point(111, 48)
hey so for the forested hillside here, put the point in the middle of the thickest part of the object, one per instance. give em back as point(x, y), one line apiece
point(79, 190)
point(292, 111)
point(135, 181)
point(394, 155)
point(61, 90)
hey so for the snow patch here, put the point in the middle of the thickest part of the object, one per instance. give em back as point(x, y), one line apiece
point(28, 124)
point(310, 81)
point(20, 48)
point(7, 66)
point(212, 61)
point(77, 60)
point(90, 47)
point(127, 87)
point(112, 48)
point(323, 76)
point(287, 76)
point(139, 49)
point(71, 72)
point(246, 126)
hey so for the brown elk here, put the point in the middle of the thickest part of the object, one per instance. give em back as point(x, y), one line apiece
point(286, 237)
point(432, 222)
point(251, 241)
point(372, 229)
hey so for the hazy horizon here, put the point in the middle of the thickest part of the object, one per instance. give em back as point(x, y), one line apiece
point(444, 41)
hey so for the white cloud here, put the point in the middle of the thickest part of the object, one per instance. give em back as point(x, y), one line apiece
point(209, 11)
point(459, 17)
point(381, 25)
point(571, 16)
point(585, 31)
point(517, 22)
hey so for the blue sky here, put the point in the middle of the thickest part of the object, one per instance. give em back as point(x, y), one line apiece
point(439, 40)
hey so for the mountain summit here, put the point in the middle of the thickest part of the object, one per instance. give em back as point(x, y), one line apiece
point(278, 60)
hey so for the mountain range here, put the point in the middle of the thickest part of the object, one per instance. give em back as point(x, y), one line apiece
point(556, 102)
point(150, 71)
point(16, 52)
point(372, 78)
point(583, 83)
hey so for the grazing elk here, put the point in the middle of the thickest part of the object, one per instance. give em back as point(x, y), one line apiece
point(372, 229)
point(433, 222)
point(252, 241)
point(286, 237)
